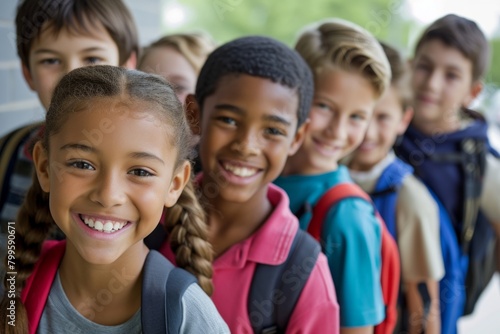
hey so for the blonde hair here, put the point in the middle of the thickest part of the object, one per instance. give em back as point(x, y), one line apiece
point(195, 47)
point(337, 43)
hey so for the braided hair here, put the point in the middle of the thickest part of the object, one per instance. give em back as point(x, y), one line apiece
point(185, 221)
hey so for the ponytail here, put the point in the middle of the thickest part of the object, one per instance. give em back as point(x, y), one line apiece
point(186, 225)
point(34, 223)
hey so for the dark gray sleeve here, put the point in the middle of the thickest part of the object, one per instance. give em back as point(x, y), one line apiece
point(200, 314)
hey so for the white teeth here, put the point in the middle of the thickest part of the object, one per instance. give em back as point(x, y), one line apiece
point(240, 171)
point(98, 225)
point(107, 226)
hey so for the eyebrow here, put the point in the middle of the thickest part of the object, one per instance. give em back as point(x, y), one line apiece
point(453, 67)
point(91, 49)
point(80, 147)
point(145, 155)
point(239, 111)
point(134, 155)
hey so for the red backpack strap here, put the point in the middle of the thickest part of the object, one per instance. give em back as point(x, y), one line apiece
point(390, 276)
point(390, 268)
point(35, 295)
point(328, 200)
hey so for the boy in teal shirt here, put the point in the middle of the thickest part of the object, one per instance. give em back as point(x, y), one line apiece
point(351, 73)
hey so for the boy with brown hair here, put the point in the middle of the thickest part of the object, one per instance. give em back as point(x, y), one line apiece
point(448, 147)
point(350, 72)
point(408, 209)
point(53, 38)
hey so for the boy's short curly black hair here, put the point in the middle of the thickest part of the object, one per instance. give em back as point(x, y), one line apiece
point(261, 57)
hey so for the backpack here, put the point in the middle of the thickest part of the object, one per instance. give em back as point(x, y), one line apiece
point(163, 286)
point(390, 270)
point(267, 314)
point(275, 290)
point(9, 148)
point(452, 295)
point(461, 155)
point(385, 194)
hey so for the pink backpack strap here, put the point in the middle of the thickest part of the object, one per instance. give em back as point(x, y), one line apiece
point(35, 295)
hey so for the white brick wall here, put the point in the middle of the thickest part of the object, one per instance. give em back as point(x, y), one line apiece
point(19, 105)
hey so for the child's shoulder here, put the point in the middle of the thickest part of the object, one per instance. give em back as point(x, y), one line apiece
point(416, 208)
point(414, 195)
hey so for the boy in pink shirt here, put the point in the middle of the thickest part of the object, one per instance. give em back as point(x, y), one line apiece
point(252, 100)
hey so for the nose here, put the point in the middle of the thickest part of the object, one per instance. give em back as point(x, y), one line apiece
point(108, 190)
point(371, 131)
point(337, 128)
point(247, 143)
point(72, 64)
point(433, 80)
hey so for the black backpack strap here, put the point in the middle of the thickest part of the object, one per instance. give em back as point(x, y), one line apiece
point(472, 159)
point(163, 286)
point(275, 290)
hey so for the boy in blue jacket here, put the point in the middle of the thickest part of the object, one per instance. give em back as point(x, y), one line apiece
point(448, 147)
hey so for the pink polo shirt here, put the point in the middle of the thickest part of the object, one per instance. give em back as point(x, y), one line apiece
point(316, 311)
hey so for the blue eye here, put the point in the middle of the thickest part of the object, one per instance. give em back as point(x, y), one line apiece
point(357, 117)
point(322, 105)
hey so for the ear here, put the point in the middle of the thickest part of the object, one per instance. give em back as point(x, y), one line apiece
point(475, 90)
point(27, 76)
point(181, 177)
point(41, 162)
point(193, 114)
point(405, 121)
point(131, 62)
point(299, 137)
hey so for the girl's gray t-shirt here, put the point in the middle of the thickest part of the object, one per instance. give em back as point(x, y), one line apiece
point(60, 317)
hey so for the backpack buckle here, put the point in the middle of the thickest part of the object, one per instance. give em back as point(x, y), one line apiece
point(270, 330)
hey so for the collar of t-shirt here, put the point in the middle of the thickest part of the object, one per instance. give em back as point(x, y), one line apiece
point(367, 180)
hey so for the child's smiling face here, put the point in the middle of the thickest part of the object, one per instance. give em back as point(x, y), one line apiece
point(442, 84)
point(248, 130)
point(110, 170)
point(342, 107)
point(389, 120)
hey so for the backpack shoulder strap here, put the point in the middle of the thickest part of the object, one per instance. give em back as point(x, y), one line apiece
point(275, 290)
point(9, 146)
point(163, 286)
point(328, 200)
point(37, 289)
point(390, 266)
